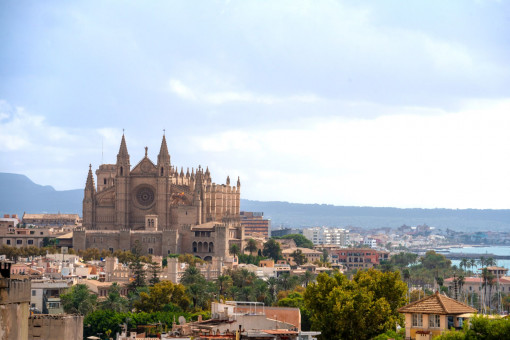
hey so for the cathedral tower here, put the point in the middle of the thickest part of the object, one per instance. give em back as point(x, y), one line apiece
point(163, 184)
point(122, 186)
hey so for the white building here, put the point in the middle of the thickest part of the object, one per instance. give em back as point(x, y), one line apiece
point(324, 235)
point(372, 243)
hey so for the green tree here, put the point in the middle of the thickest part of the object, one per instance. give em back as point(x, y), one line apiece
point(114, 301)
point(155, 270)
point(298, 257)
point(162, 294)
point(234, 250)
point(78, 300)
point(197, 287)
point(224, 282)
point(301, 240)
point(251, 246)
point(272, 249)
point(433, 260)
point(361, 308)
point(139, 274)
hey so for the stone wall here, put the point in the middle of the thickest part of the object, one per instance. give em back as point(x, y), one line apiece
point(55, 327)
point(14, 309)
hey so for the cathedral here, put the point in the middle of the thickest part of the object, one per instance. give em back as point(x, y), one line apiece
point(163, 210)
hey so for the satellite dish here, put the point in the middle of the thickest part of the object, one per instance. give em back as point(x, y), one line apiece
point(182, 320)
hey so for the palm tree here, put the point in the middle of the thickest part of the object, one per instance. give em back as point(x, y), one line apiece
point(224, 282)
point(251, 246)
point(234, 250)
point(463, 263)
point(460, 283)
point(307, 277)
point(114, 301)
point(472, 263)
point(406, 276)
point(272, 286)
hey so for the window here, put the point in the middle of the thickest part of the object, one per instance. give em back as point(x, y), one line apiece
point(434, 321)
point(8, 242)
point(417, 320)
point(104, 181)
point(151, 251)
point(19, 241)
point(30, 241)
point(33, 292)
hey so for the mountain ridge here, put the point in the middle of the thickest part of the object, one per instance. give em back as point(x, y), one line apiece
point(20, 194)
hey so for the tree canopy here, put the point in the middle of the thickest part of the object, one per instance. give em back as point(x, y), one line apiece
point(301, 240)
point(361, 308)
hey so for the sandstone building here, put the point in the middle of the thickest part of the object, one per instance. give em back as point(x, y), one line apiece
point(160, 209)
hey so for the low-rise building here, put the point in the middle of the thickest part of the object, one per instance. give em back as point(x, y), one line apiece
point(358, 258)
point(311, 255)
point(56, 220)
point(432, 315)
point(45, 295)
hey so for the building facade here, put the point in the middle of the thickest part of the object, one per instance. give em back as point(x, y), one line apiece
point(357, 258)
point(159, 209)
point(255, 224)
point(323, 235)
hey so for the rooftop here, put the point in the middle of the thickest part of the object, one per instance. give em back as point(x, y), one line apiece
point(437, 304)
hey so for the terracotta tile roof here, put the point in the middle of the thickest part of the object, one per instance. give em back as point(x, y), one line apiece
point(437, 304)
point(502, 280)
point(50, 216)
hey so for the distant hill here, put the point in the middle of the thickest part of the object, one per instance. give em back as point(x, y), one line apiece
point(301, 215)
point(19, 194)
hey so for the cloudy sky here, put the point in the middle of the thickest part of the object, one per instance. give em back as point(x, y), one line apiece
point(376, 103)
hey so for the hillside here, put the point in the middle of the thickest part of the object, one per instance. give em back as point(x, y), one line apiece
point(300, 215)
point(19, 194)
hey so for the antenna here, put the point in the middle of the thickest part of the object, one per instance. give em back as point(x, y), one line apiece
point(102, 150)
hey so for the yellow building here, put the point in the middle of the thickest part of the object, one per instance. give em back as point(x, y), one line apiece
point(432, 315)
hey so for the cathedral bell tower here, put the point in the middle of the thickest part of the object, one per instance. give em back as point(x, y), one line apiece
point(89, 201)
point(122, 186)
point(163, 190)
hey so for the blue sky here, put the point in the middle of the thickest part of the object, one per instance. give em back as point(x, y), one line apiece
point(385, 103)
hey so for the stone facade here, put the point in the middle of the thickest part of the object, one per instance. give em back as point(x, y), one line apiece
point(55, 327)
point(160, 209)
point(14, 305)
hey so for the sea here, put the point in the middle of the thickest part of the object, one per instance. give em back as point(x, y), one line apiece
point(496, 250)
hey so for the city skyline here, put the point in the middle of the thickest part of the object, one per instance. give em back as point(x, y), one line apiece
point(369, 104)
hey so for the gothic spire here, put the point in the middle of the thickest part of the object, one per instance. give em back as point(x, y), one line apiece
point(123, 148)
point(228, 180)
point(163, 151)
point(90, 185)
point(238, 182)
point(123, 165)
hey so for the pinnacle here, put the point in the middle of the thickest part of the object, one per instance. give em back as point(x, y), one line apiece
point(164, 149)
point(123, 148)
point(90, 179)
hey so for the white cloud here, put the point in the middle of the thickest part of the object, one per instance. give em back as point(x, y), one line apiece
point(406, 160)
point(183, 91)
